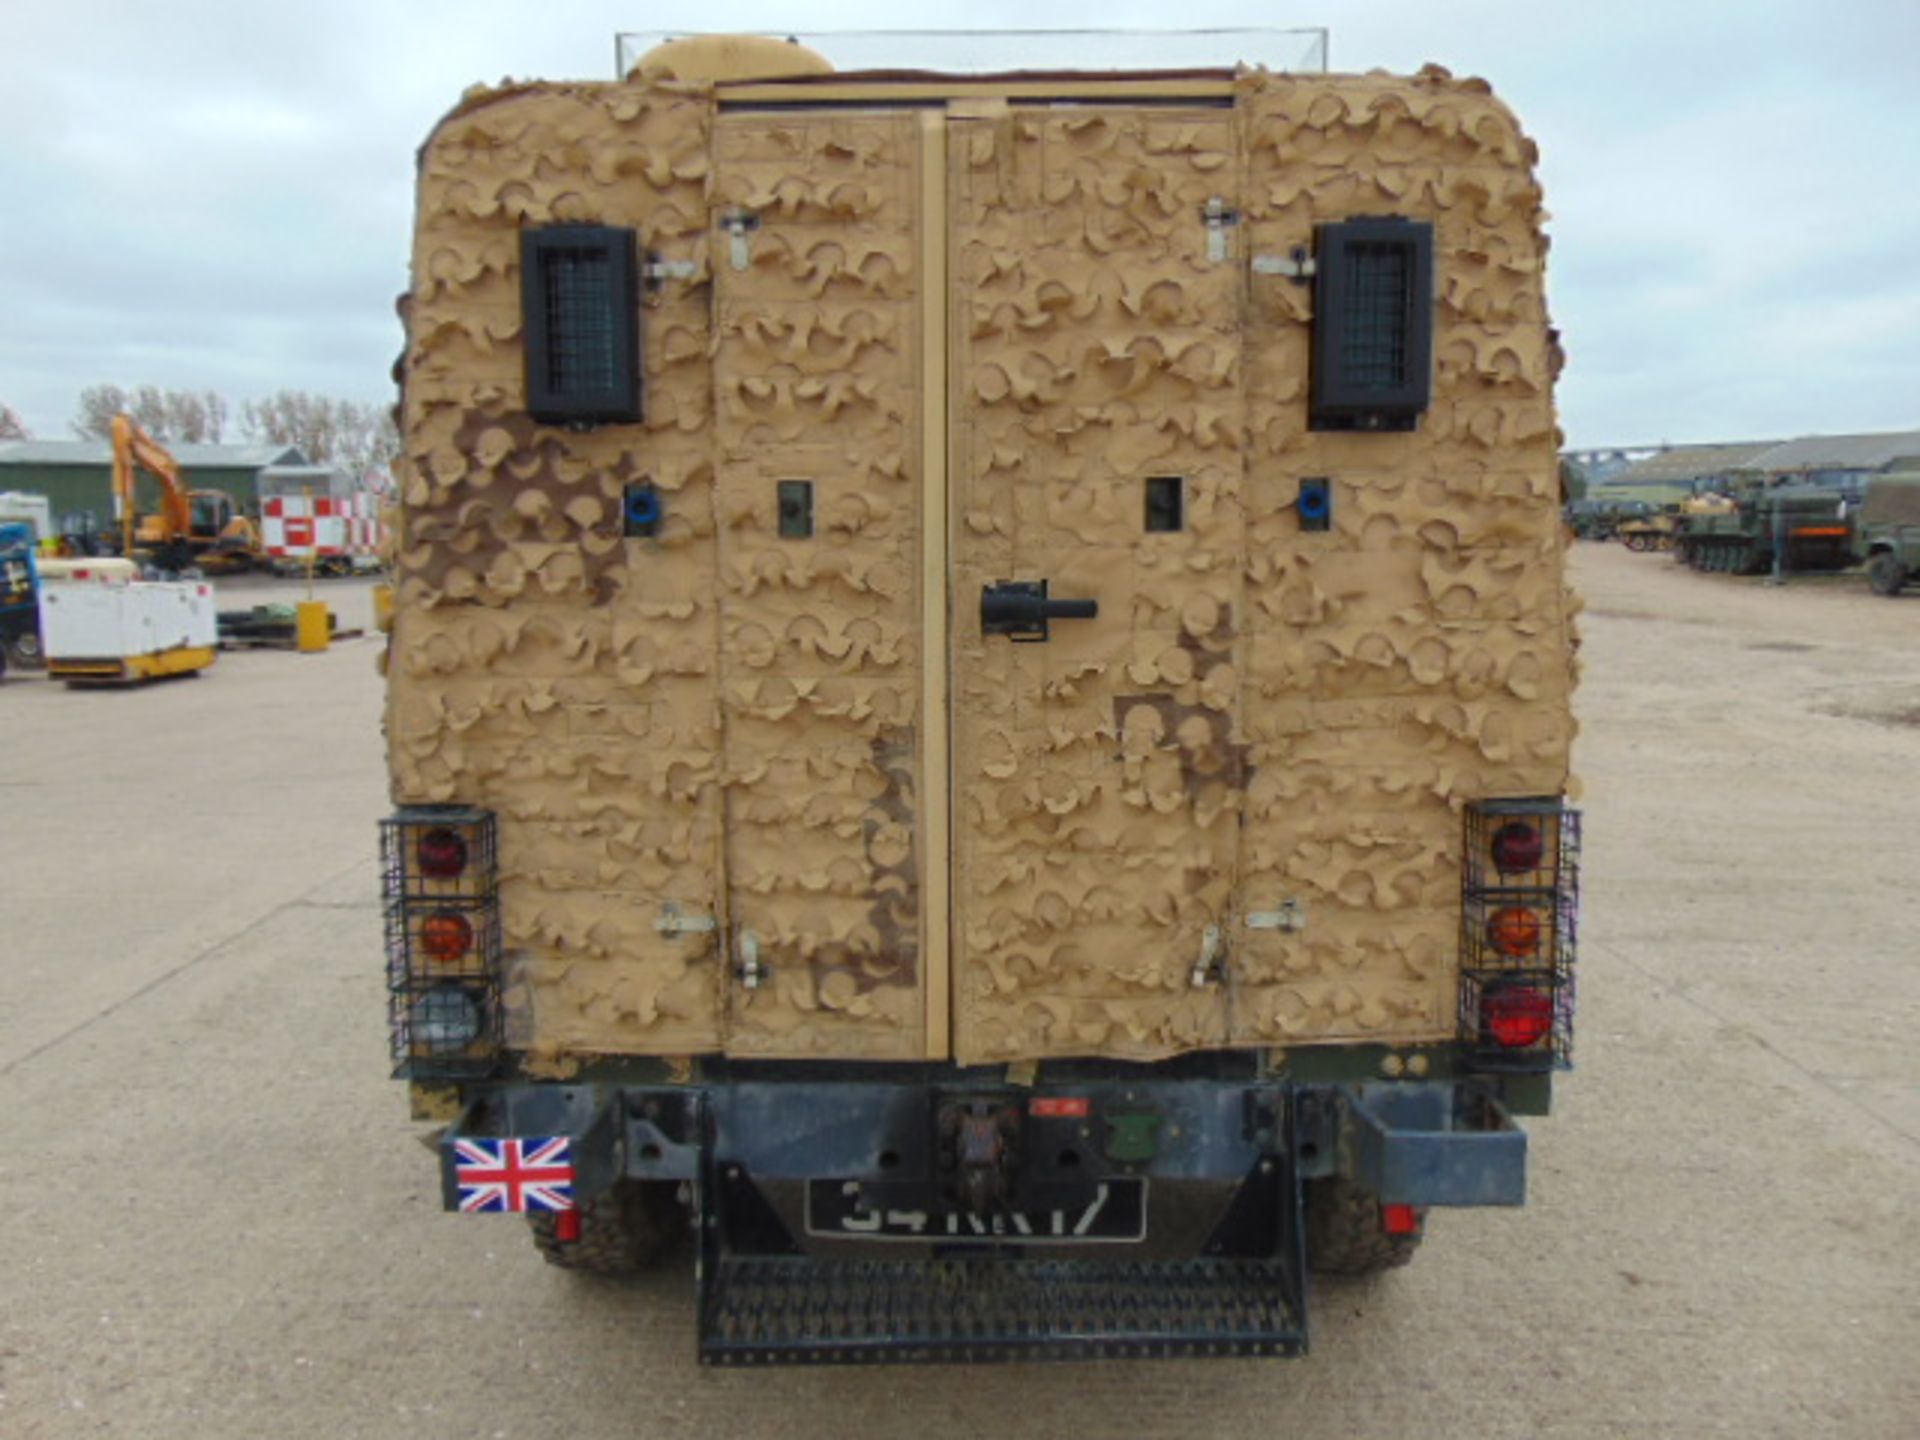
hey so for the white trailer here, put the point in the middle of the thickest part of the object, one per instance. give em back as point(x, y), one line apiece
point(99, 628)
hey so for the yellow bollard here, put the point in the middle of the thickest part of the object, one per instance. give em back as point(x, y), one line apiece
point(383, 608)
point(312, 628)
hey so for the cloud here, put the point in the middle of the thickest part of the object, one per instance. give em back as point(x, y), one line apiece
point(219, 194)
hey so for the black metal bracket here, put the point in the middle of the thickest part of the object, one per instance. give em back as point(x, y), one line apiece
point(1021, 610)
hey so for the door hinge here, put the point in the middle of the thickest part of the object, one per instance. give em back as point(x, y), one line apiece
point(1289, 919)
point(1297, 264)
point(658, 270)
point(752, 969)
point(1209, 967)
point(673, 921)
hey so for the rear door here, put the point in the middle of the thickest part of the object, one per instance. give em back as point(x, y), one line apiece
point(1095, 429)
point(816, 255)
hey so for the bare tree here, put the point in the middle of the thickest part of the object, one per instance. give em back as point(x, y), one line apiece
point(93, 419)
point(190, 417)
point(12, 427)
point(329, 431)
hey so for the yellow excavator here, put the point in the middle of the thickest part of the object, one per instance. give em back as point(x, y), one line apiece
point(201, 529)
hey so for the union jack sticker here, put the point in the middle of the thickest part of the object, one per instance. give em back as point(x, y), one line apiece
point(512, 1176)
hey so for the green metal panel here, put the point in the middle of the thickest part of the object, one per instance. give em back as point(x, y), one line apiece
point(76, 490)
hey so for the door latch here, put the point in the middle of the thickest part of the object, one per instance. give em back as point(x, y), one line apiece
point(1021, 609)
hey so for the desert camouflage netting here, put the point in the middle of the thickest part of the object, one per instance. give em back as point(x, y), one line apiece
point(722, 722)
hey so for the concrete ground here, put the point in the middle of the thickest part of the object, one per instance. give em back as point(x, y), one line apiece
point(218, 1223)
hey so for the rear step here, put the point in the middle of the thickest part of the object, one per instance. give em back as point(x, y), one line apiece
point(797, 1309)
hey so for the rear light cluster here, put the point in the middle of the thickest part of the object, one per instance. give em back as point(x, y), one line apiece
point(440, 874)
point(1518, 927)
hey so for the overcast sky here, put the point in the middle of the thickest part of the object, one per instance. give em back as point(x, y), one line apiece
point(210, 193)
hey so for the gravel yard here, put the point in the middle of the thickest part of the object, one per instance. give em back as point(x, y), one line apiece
point(219, 1224)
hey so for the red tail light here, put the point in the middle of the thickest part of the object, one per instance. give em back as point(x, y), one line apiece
point(1516, 1016)
point(442, 854)
point(446, 937)
point(1400, 1219)
point(1517, 847)
point(1514, 932)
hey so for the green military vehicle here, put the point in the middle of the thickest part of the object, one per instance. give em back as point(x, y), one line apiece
point(1602, 518)
point(1887, 532)
point(1810, 519)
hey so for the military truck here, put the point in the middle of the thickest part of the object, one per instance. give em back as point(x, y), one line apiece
point(1807, 524)
point(1601, 518)
point(1886, 535)
point(978, 696)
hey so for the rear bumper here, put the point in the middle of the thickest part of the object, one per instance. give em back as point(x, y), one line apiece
point(1444, 1142)
point(923, 1260)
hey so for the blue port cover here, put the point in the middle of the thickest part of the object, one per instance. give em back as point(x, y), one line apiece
point(1315, 506)
point(643, 510)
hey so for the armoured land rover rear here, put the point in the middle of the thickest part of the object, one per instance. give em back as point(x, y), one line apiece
point(979, 693)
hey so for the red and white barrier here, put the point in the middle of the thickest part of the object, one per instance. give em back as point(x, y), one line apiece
point(292, 527)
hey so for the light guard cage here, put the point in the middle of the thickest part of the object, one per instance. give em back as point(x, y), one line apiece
point(984, 52)
point(1549, 892)
point(443, 944)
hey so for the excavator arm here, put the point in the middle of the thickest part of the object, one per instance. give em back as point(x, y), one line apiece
point(135, 450)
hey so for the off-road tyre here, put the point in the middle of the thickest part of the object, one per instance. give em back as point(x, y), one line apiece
point(621, 1232)
point(1886, 574)
point(23, 652)
point(1344, 1235)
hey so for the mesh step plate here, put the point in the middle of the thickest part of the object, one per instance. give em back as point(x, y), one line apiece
point(769, 1311)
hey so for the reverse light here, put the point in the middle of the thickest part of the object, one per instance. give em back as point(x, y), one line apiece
point(441, 853)
point(445, 1020)
point(1516, 1016)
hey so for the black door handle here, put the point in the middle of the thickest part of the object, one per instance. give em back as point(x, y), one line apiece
point(1021, 609)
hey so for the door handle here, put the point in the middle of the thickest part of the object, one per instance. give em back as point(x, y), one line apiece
point(1022, 609)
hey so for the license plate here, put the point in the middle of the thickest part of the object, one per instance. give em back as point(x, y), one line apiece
point(1107, 1212)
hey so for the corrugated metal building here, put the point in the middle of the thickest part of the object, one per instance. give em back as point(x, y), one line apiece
point(76, 476)
point(1845, 462)
point(1681, 471)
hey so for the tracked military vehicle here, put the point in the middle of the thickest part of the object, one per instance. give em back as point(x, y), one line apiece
point(1806, 524)
point(979, 690)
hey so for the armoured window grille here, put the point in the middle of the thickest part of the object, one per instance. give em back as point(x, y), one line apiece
point(581, 321)
point(1373, 324)
point(580, 332)
point(1375, 318)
